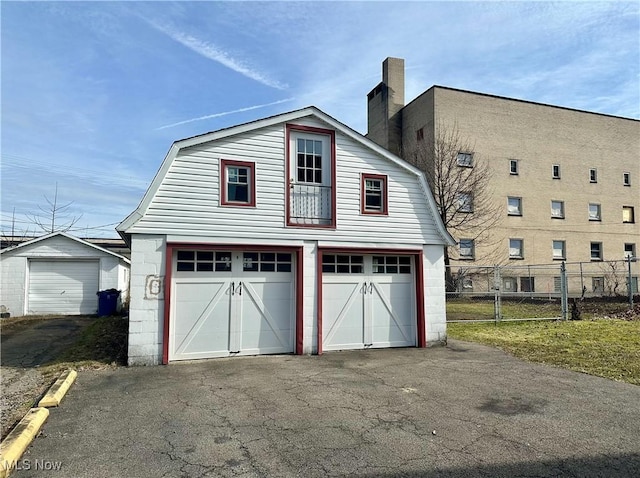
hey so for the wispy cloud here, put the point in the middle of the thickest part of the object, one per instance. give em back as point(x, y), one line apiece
point(212, 52)
point(218, 115)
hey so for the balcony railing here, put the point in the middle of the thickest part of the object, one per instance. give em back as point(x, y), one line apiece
point(310, 204)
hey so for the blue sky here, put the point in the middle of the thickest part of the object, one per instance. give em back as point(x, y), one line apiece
point(94, 93)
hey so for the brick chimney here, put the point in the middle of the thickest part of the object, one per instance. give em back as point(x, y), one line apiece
point(384, 107)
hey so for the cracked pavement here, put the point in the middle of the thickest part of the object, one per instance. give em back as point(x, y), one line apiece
point(460, 410)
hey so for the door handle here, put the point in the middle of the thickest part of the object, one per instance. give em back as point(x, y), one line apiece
point(233, 288)
point(239, 288)
point(370, 287)
point(364, 288)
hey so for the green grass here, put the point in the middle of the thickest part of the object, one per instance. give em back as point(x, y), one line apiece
point(606, 348)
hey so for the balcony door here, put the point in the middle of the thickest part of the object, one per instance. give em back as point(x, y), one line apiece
point(310, 178)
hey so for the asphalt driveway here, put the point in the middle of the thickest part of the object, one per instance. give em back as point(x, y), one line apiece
point(461, 410)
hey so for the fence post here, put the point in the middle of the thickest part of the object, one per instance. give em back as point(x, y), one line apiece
point(564, 299)
point(629, 282)
point(497, 313)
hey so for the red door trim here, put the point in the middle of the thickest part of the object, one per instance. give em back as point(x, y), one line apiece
point(299, 290)
point(419, 282)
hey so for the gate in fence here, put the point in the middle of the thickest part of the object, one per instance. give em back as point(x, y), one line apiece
point(555, 289)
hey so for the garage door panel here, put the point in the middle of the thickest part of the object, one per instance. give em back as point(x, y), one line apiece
point(63, 287)
point(266, 323)
point(203, 327)
point(375, 307)
point(342, 310)
point(253, 312)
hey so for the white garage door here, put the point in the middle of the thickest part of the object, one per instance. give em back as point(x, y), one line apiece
point(63, 287)
point(367, 301)
point(231, 303)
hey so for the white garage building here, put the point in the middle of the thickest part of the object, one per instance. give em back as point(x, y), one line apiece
point(291, 234)
point(59, 274)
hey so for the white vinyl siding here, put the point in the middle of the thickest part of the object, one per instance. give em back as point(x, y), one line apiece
point(186, 202)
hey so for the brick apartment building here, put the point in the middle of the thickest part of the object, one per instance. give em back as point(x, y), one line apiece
point(565, 181)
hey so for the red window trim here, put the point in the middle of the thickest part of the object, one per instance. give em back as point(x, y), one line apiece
point(299, 285)
point(223, 183)
point(332, 164)
point(385, 194)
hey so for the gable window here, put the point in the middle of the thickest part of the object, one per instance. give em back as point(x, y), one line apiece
point(373, 199)
point(594, 212)
point(311, 198)
point(516, 249)
point(596, 251)
point(420, 134)
point(467, 249)
point(557, 209)
point(514, 206)
point(629, 250)
point(626, 179)
point(465, 160)
point(513, 167)
point(237, 183)
point(628, 216)
point(593, 175)
point(465, 202)
point(555, 171)
point(559, 251)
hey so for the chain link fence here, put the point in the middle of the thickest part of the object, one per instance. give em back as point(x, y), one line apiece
point(541, 291)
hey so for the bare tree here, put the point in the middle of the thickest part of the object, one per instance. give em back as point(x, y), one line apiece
point(459, 179)
point(54, 217)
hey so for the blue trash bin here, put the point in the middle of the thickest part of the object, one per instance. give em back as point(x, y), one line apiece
point(107, 302)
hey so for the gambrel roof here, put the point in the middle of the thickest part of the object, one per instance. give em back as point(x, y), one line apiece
point(308, 112)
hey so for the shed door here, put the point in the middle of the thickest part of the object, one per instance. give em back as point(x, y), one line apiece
point(231, 303)
point(368, 301)
point(63, 287)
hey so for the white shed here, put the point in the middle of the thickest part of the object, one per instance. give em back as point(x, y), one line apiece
point(290, 234)
point(59, 274)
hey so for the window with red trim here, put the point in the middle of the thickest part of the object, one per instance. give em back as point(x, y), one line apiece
point(238, 183)
point(373, 194)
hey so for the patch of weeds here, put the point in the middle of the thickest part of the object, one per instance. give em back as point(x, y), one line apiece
point(103, 344)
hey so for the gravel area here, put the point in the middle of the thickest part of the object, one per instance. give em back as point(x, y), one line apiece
point(21, 387)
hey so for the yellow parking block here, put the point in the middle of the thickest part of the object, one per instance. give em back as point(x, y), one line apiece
point(58, 389)
point(18, 440)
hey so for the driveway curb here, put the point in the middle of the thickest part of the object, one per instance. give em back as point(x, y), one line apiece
point(58, 390)
point(16, 442)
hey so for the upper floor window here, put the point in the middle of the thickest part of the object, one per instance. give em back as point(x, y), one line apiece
point(626, 179)
point(629, 250)
point(594, 212)
point(628, 215)
point(311, 176)
point(237, 183)
point(557, 209)
point(513, 167)
point(465, 202)
point(514, 206)
point(593, 175)
point(373, 198)
point(555, 171)
point(559, 250)
point(596, 251)
point(467, 249)
point(465, 160)
point(516, 249)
